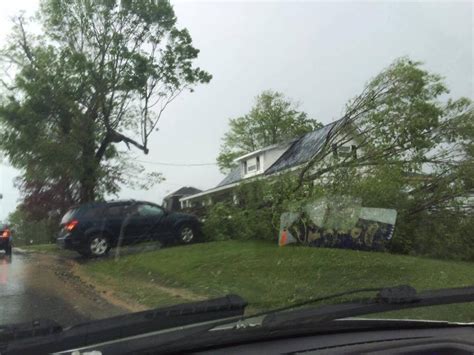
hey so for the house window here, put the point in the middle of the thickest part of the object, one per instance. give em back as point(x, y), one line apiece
point(344, 150)
point(251, 165)
point(245, 167)
point(258, 163)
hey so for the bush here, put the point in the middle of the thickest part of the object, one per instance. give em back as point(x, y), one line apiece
point(224, 221)
point(445, 234)
point(27, 231)
point(442, 235)
point(218, 223)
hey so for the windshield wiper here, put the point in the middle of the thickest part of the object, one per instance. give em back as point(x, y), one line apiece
point(388, 299)
point(220, 332)
point(46, 336)
point(38, 327)
point(188, 334)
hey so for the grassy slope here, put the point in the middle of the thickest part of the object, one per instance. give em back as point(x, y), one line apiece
point(269, 276)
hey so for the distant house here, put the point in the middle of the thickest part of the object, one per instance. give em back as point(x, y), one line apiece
point(171, 201)
point(269, 161)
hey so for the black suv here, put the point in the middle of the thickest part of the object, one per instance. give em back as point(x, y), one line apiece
point(5, 239)
point(92, 229)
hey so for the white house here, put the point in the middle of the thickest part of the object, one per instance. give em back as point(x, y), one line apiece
point(269, 161)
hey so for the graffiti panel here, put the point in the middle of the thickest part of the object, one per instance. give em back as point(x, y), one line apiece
point(338, 223)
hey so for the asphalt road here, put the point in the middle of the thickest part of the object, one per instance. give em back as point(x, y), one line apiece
point(35, 286)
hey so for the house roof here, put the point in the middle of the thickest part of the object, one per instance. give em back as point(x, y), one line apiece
point(184, 191)
point(302, 150)
point(233, 176)
point(264, 149)
point(207, 192)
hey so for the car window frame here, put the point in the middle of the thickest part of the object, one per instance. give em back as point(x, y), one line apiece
point(163, 211)
point(99, 212)
point(124, 210)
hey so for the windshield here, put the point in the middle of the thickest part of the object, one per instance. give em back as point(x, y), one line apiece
point(155, 153)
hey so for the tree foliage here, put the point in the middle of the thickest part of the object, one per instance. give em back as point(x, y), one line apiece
point(403, 121)
point(414, 155)
point(100, 75)
point(27, 230)
point(273, 119)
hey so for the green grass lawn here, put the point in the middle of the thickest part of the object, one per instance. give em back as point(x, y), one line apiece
point(268, 276)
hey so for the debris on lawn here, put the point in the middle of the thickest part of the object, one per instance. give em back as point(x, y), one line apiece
point(339, 222)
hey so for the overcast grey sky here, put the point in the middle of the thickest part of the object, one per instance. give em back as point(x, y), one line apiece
point(317, 53)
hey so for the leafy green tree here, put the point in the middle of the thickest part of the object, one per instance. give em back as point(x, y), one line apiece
point(402, 122)
point(26, 230)
point(414, 153)
point(273, 119)
point(100, 75)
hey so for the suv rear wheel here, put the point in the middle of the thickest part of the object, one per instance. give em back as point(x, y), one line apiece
point(186, 234)
point(99, 245)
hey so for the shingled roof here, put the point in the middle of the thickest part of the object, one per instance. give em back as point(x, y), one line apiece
point(302, 150)
point(299, 152)
point(184, 191)
point(233, 176)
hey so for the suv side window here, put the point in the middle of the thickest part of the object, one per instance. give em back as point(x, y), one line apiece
point(146, 210)
point(95, 212)
point(115, 211)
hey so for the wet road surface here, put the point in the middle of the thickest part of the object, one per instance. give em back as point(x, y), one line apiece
point(35, 286)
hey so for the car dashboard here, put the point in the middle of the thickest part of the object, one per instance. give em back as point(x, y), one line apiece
point(407, 341)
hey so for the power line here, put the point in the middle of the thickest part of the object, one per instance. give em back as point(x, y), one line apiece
point(153, 163)
point(174, 164)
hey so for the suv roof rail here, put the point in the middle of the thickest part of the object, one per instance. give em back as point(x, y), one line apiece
point(131, 200)
point(77, 205)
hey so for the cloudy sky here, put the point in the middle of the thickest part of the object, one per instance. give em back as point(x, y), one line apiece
point(318, 53)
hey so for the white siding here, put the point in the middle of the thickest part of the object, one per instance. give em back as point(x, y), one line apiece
point(267, 158)
point(271, 156)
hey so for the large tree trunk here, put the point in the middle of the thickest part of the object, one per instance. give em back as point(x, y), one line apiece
point(88, 164)
point(88, 189)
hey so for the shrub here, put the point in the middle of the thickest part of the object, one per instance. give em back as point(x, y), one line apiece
point(224, 221)
point(443, 235)
point(218, 223)
point(27, 231)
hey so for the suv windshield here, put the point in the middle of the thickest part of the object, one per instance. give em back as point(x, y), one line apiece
point(156, 153)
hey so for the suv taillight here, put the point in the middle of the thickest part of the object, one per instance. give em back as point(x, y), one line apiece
point(6, 233)
point(71, 225)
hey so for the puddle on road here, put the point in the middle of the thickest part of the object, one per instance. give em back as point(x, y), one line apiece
point(12, 288)
point(29, 290)
point(11, 274)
